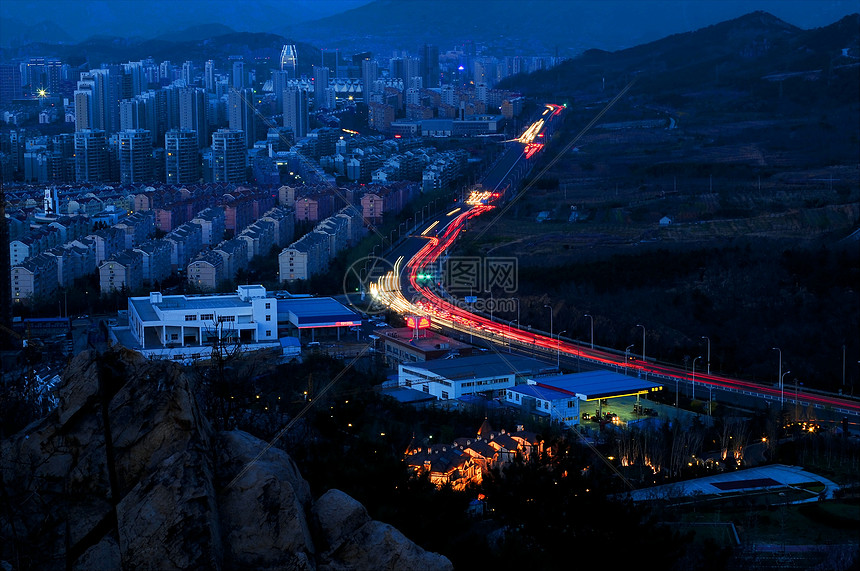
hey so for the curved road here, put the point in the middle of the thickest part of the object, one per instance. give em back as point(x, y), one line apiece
point(440, 233)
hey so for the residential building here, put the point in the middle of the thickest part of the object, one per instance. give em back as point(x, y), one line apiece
point(295, 111)
point(122, 270)
point(34, 279)
point(91, 156)
point(228, 156)
point(242, 114)
point(155, 260)
point(137, 228)
point(212, 224)
point(182, 162)
point(135, 156)
point(207, 271)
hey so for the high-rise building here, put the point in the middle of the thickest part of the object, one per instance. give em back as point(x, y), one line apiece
point(97, 99)
point(238, 75)
point(132, 114)
point(228, 156)
point(289, 60)
point(296, 111)
point(85, 96)
point(134, 73)
point(135, 156)
point(44, 73)
point(192, 113)
point(369, 75)
point(321, 74)
point(63, 158)
point(242, 114)
point(181, 157)
point(404, 68)
point(280, 80)
point(209, 76)
point(91, 157)
point(430, 65)
point(171, 107)
point(10, 83)
point(188, 73)
point(165, 70)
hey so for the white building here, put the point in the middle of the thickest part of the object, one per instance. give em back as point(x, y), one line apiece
point(187, 327)
point(490, 375)
point(544, 401)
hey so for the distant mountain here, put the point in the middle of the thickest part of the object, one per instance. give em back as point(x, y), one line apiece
point(195, 33)
point(79, 19)
point(737, 62)
point(15, 32)
point(532, 26)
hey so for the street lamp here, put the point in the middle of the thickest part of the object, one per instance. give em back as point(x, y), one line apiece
point(710, 399)
point(550, 319)
point(511, 322)
point(643, 343)
point(782, 389)
point(558, 349)
point(709, 352)
point(626, 358)
point(779, 378)
point(592, 329)
point(676, 391)
point(796, 404)
point(693, 397)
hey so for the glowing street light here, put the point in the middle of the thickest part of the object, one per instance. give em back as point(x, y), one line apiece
point(643, 343)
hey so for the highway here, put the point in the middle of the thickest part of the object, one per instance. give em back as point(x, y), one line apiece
point(413, 287)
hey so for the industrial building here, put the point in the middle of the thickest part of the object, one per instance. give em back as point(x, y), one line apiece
point(490, 375)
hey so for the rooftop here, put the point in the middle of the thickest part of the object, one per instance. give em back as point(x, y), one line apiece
point(597, 384)
point(316, 312)
point(481, 366)
point(426, 341)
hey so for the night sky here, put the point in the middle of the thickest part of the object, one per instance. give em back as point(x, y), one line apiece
point(83, 18)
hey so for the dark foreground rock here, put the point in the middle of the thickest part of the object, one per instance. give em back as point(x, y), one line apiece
point(128, 473)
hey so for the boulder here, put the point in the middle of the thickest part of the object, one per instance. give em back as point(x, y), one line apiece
point(263, 512)
point(336, 516)
point(377, 545)
point(169, 520)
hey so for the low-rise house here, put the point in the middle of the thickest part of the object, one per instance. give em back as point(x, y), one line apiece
point(155, 260)
point(123, 270)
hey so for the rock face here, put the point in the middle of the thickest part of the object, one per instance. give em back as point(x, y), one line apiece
point(128, 473)
point(354, 541)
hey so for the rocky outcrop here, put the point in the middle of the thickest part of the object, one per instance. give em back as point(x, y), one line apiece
point(354, 541)
point(128, 473)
